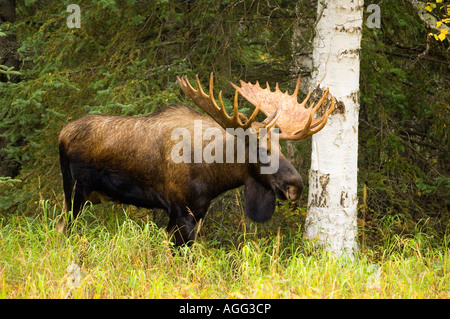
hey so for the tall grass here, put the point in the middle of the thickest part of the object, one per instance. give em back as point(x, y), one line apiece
point(116, 256)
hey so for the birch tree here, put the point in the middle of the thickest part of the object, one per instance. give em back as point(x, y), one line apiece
point(332, 198)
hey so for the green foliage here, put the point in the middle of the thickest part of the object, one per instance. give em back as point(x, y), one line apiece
point(404, 142)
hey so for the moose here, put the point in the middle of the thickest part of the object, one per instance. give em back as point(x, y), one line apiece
point(129, 159)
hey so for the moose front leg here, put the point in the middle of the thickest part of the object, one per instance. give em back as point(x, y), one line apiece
point(183, 226)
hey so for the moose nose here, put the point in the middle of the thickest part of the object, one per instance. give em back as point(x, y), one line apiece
point(294, 190)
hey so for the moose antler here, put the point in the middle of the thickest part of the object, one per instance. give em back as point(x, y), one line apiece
point(295, 121)
point(208, 104)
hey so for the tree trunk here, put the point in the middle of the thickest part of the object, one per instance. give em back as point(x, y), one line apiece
point(332, 198)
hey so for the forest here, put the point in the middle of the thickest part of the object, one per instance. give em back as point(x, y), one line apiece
point(124, 59)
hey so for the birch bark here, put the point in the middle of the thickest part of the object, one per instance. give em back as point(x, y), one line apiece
point(332, 197)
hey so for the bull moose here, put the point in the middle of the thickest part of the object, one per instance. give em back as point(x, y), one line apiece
point(130, 158)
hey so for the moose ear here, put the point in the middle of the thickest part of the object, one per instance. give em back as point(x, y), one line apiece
point(259, 201)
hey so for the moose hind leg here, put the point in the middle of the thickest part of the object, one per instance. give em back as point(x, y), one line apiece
point(72, 208)
point(68, 187)
point(79, 199)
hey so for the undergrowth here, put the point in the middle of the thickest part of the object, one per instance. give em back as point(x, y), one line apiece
point(122, 253)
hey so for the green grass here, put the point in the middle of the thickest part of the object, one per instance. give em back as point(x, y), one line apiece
point(127, 257)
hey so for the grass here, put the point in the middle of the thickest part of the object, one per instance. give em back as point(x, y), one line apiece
point(120, 256)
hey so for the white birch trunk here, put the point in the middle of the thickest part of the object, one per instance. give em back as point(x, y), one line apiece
point(332, 198)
